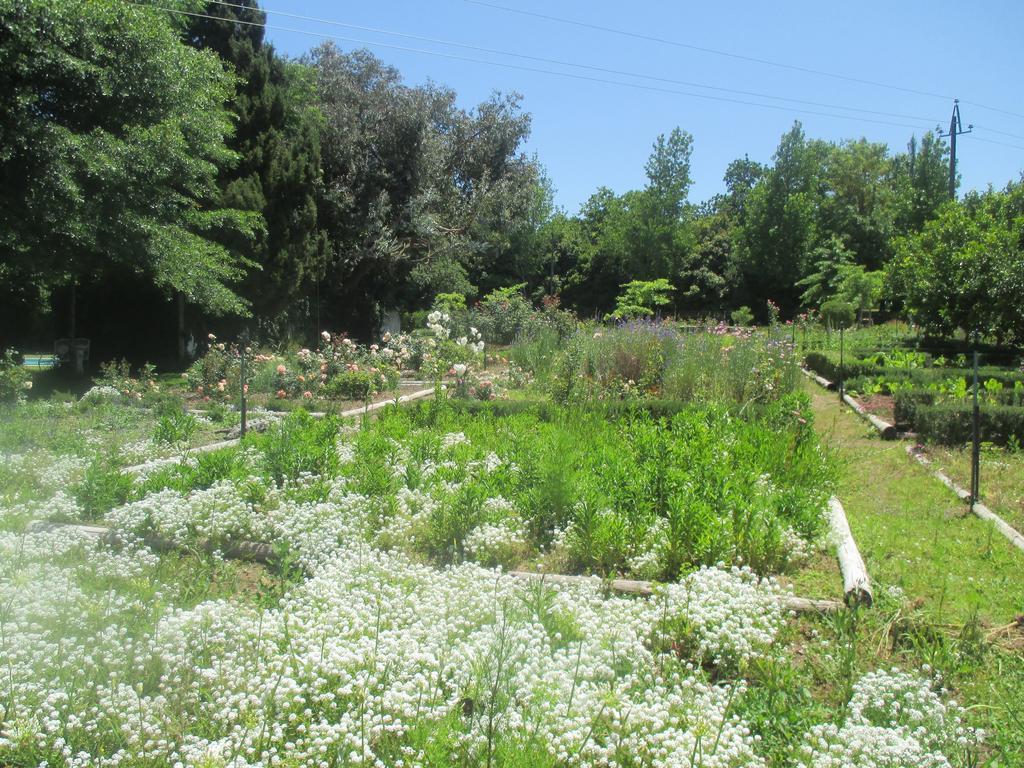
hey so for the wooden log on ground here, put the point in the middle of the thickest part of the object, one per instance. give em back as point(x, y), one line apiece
point(647, 588)
point(89, 531)
point(885, 429)
point(856, 584)
point(259, 552)
point(1014, 536)
point(159, 463)
point(252, 551)
point(820, 380)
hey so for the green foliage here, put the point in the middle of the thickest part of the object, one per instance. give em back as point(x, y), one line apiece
point(297, 445)
point(175, 427)
point(114, 133)
point(742, 317)
point(502, 314)
point(610, 491)
point(951, 423)
point(640, 298)
point(643, 361)
point(277, 139)
point(965, 269)
point(419, 196)
point(352, 385)
point(837, 313)
point(860, 288)
point(15, 380)
point(451, 303)
point(103, 487)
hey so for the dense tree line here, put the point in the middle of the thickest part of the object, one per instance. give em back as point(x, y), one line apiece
point(177, 167)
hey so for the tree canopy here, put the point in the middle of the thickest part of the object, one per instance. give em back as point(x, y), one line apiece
point(182, 150)
point(112, 134)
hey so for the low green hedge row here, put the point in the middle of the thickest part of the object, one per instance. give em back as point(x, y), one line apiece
point(950, 423)
point(858, 373)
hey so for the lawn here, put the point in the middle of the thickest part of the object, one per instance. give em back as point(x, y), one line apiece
point(1001, 480)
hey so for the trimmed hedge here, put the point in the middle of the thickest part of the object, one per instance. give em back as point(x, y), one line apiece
point(865, 371)
point(950, 423)
point(827, 366)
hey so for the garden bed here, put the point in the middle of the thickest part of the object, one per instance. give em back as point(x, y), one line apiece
point(354, 647)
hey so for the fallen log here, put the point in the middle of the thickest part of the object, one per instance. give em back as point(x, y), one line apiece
point(820, 380)
point(647, 588)
point(885, 429)
point(158, 463)
point(856, 584)
point(255, 551)
point(250, 551)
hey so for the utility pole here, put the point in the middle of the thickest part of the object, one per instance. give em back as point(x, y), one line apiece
point(955, 129)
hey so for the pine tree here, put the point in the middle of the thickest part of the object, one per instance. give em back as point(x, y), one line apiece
point(278, 140)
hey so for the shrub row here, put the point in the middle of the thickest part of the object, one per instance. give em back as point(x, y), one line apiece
point(861, 371)
point(950, 423)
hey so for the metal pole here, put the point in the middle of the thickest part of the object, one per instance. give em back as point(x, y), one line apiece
point(842, 365)
point(975, 440)
point(241, 386)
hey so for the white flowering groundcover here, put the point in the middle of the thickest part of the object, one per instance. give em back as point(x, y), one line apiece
point(363, 653)
point(377, 660)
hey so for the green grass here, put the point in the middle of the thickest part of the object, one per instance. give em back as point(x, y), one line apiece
point(912, 531)
point(1001, 482)
point(949, 589)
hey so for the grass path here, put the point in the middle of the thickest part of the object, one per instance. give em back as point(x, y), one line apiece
point(912, 532)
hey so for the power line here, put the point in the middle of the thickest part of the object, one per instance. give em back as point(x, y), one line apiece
point(561, 62)
point(714, 51)
point(729, 54)
point(993, 130)
point(456, 57)
point(1000, 143)
point(995, 109)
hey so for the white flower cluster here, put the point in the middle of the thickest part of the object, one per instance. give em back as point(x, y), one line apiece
point(375, 660)
point(734, 615)
point(45, 471)
point(102, 393)
point(219, 513)
point(496, 543)
point(475, 341)
point(894, 719)
point(60, 506)
point(438, 324)
point(798, 550)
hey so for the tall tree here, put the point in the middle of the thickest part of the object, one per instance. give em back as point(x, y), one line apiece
point(965, 269)
point(419, 196)
point(277, 139)
point(858, 205)
point(775, 241)
point(921, 180)
point(111, 135)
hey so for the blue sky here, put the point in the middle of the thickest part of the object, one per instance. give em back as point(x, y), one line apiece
point(588, 134)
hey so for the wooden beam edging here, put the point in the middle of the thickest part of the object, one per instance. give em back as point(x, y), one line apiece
point(1014, 536)
point(856, 584)
point(260, 552)
point(819, 380)
point(885, 429)
point(647, 588)
point(352, 412)
point(251, 551)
